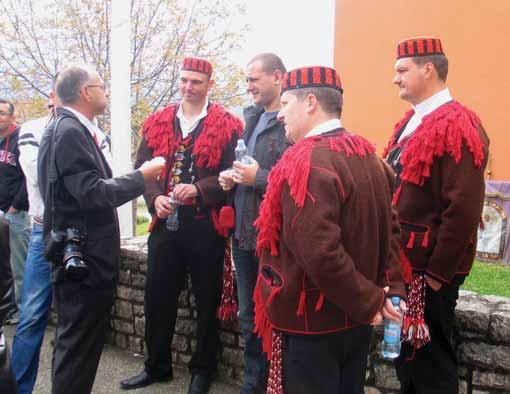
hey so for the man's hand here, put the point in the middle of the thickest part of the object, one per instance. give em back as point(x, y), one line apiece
point(12, 210)
point(433, 283)
point(151, 170)
point(226, 180)
point(245, 173)
point(183, 191)
point(163, 207)
point(388, 311)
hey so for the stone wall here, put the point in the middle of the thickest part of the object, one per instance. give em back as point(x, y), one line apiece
point(482, 337)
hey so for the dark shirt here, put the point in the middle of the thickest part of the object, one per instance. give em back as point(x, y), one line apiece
point(13, 189)
point(242, 190)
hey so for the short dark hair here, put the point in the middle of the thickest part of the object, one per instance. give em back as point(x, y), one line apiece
point(70, 81)
point(9, 104)
point(440, 63)
point(270, 62)
point(330, 100)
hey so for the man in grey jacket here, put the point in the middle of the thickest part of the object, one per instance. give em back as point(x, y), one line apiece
point(265, 138)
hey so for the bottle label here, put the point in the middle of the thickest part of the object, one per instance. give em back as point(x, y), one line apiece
point(392, 333)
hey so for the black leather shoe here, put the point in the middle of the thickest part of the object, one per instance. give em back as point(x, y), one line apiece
point(200, 384)
point(142, 380)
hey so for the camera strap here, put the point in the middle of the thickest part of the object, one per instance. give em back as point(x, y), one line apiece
point(52, 169)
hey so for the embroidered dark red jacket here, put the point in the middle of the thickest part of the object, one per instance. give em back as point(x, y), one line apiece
point(328, 238)
point(441, 190)
point(213, 152)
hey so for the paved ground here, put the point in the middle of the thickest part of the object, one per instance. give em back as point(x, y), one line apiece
point(116, 364)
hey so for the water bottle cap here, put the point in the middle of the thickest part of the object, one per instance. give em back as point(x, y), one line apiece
point(240, 143)
point(395, 300)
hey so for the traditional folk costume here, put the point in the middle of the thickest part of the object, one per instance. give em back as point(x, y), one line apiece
point(439, 152)
point(328, 244)
point(199, 245)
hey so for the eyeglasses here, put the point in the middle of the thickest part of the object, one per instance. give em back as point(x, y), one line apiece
point(102, 86)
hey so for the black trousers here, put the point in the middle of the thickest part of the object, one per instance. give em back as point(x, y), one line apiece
point(326, 364)
point(433, 368)
point(195, 248)
point(83, 314)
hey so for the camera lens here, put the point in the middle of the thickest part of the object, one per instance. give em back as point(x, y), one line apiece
point(76, 268)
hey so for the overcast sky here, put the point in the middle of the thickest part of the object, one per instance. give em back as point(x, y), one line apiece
point(299, 31)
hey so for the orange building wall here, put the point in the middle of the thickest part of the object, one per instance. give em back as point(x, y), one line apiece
point(476, 39)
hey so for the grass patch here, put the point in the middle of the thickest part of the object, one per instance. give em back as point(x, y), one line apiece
point(142, 224)
point(488, 279)
point(141, 229)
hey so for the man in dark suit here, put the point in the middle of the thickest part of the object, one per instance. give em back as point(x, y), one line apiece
point(84, 197)
point(7, 381)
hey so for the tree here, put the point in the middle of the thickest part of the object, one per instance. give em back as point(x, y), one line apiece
point(40, 37)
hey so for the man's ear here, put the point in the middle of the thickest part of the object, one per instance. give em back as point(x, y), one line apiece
point(210, 84)
point(429, 70)
point(311, 103)
point(278, 76)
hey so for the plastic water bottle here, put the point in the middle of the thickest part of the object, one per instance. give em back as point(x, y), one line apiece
point(241, 152)
point(391, 342)
point(172, 221)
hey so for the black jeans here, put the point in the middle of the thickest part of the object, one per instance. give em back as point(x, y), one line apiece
point(433, 368)
point(83, 317)
point(326, 364)
point(197, 248)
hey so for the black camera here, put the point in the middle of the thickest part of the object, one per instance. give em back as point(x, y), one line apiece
point(64, 247)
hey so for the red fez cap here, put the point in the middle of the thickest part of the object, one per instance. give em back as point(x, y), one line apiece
point(419, 46)
point(198, 65)
point(308, 77)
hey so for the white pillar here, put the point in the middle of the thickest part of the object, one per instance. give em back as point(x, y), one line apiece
point(121, 103)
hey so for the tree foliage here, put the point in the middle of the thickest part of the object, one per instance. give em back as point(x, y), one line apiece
point(40, 37)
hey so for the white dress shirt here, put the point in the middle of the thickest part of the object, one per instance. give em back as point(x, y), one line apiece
point(322, 128)
point(424, 108)
point(96, 133)
point(188, 126)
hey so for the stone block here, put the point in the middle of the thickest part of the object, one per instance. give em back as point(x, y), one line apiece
point(228, 338)
point(180, 344)
point(183, 301)
point(123, 326)
point(140, 326)
point(463, 387)
point(138, 281)
point(484, 355)
point(136, 344)
point(371, 390)
point(184, 312)
point(185, 326)
point(121, 340)
point(124, 277)
point(123, 309)
point(473, 314)
point(138, 310)
point(499, 327)
point(233, 356)
point(386, 377)
point(491, 380)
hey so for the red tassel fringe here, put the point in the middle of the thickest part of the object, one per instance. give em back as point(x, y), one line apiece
point(263, 327)
point(405, 264)
point(414, 329)
point(294, 169)
point(220, 127)
point(228, 307)
point(410, 243)
point(445, 131)
point(275, 379)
